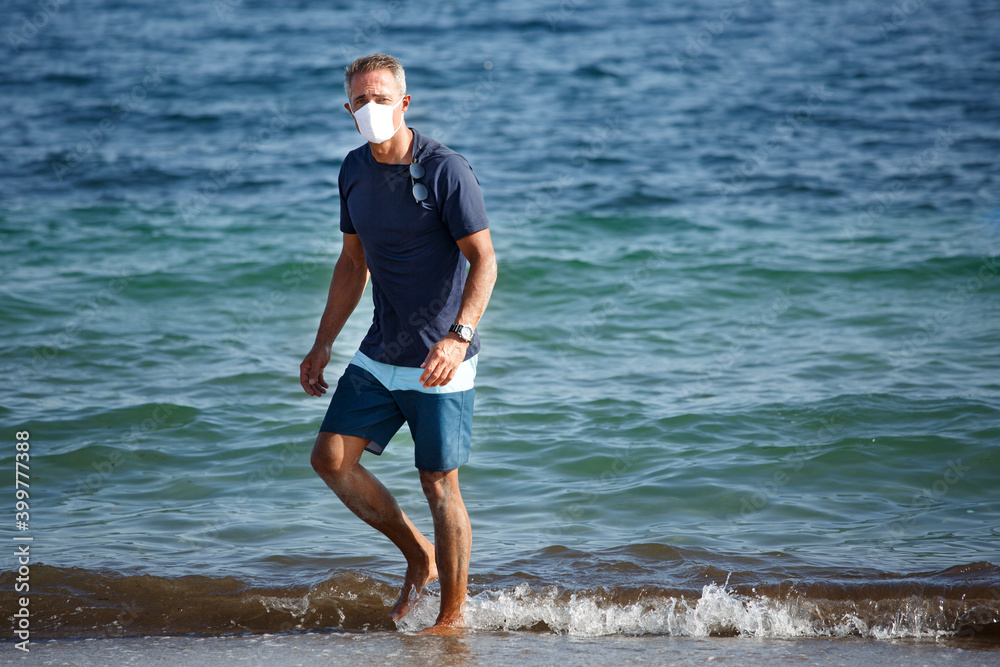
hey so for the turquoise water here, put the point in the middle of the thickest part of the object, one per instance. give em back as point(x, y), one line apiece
point(743, 340)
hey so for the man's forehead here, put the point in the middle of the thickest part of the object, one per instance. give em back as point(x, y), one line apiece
point(379, 81)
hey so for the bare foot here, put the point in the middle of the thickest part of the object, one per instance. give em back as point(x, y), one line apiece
point(447, 623)
point(418, 575)
point(444, 629)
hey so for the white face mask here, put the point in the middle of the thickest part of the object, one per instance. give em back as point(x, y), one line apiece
point(375, 121)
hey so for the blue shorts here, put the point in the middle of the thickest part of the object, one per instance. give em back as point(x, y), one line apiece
point(440, 423)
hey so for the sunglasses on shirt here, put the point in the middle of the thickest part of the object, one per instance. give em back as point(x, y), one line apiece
point(419, 189)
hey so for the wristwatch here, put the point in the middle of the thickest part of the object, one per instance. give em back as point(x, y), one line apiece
point(464, 331)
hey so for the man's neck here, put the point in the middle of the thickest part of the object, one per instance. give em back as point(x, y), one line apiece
point(398, 150)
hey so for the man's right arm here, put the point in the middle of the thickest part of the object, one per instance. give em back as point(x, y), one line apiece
point(350, 275)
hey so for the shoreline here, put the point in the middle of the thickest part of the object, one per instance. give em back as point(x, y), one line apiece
point(523, 647)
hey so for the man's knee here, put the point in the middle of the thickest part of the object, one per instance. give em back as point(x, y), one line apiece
point(328, 455)
point(437, 486)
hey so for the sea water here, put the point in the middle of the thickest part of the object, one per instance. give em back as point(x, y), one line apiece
point(739, 373)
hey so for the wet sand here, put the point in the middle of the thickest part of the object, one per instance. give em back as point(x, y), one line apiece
point(496, 648)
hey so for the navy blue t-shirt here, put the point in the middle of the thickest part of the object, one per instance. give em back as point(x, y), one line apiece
point(417, 270)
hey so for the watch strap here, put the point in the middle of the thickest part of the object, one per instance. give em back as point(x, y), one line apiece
point(463, 331)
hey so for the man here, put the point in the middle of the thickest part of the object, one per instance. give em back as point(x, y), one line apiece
point(412, 213)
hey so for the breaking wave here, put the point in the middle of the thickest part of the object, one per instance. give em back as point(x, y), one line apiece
point(958, 602)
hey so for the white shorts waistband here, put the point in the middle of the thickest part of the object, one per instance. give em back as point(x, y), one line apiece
point(405, 378)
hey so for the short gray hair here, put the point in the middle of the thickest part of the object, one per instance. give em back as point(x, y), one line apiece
point(372, 63)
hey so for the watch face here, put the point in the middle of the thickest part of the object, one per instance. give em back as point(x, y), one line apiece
point(464, 332)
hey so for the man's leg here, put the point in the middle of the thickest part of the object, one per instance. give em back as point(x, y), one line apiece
point(452, 542)
point(336, 458)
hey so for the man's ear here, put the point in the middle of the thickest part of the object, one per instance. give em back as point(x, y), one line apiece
point(348, 107)
point(406, 103)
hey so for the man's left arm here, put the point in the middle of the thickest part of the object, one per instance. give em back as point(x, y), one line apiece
point(448, 353)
